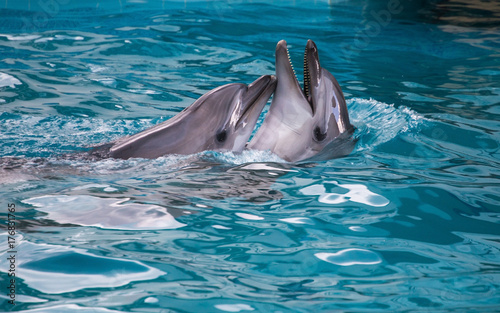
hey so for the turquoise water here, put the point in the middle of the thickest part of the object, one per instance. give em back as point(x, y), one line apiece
point(409, 221)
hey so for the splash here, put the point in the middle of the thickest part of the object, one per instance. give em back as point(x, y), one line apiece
point(246, 156)
point(380, 122)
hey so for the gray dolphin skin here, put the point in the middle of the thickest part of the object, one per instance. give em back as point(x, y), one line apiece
point(301, 123)
point(221, 119)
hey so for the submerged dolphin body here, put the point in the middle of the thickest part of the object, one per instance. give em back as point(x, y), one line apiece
point(221, 119)
point(301, 123)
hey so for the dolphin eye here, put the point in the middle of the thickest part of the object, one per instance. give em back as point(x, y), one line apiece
point(221, 136)
point(318, 135)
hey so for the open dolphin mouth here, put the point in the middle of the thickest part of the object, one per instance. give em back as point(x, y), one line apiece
point(286, 72)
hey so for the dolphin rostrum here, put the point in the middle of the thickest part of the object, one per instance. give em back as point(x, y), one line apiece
point(221, 119)
point(301, 123)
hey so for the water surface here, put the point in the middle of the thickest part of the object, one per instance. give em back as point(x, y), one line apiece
point(409, 221)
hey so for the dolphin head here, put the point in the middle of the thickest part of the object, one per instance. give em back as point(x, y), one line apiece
point(301, 122)
point(221, 119)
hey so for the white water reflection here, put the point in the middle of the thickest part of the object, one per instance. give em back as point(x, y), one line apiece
point(356, 193)
point(221, 227)
point(70, 308)
point(250, 217)
point(297, 220)
point(57, 269)
point(349, 257)
point(111, 213)
point(234, 307)
point(7, 80)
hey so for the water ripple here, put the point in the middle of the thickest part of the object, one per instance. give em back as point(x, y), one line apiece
point(110, 213)
point(406, 222)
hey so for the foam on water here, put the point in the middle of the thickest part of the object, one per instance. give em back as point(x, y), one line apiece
point(247, 156)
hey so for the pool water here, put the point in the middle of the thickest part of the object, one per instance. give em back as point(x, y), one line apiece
point(409, 221)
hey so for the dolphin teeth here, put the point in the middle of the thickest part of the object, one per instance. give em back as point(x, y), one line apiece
point(307, 77)
point(290, 61)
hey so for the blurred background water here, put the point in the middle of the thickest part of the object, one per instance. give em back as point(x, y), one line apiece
point(409, 221)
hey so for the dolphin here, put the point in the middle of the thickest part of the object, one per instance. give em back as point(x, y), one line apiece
point(301, 123)
point(221, 119)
